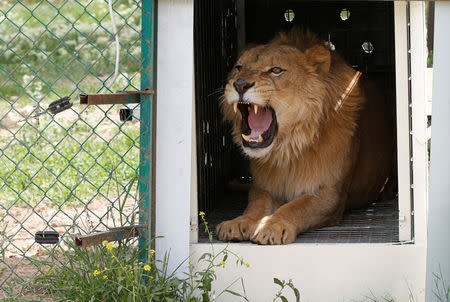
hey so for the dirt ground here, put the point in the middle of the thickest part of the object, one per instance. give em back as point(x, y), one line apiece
point(19, 224)
point(23, 222)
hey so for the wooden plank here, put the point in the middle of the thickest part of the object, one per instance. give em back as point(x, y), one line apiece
point(110, 235)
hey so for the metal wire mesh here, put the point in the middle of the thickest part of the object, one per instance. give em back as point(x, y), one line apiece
point(378, 223)
point(77, 171)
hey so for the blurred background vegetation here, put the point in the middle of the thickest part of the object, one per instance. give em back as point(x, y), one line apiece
point(51, 49)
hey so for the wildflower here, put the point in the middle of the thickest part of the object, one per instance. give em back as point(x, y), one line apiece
point(105, 242)
point(152, 252)
point(213, 271)
point(222, 263)
point(247, 264)
point(151, 277)
point(96, 273)
point(109, 246)
point(190, 262)
point(147, 267)
point(105, 277)
point(202, 214)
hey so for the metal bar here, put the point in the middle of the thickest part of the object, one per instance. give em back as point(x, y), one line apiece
point(146, 171)
point(126, 97)
point(111, 235)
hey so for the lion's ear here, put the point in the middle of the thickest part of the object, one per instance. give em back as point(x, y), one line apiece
point(319, 57)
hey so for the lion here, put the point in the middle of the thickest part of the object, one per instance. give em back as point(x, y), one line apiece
point(320, 139)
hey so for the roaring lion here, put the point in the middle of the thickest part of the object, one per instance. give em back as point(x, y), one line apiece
point(320, 138)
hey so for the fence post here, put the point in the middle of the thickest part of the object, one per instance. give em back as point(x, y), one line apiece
point(146, 164)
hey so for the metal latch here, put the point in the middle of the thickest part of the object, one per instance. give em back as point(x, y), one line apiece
point(46, 237)
point(124, 97)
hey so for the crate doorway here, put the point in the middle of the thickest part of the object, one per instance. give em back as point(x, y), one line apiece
point(362, 32)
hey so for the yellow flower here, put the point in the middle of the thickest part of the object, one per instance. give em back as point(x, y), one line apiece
point(109, 246)
point(104, 242)
point(213, 271)
point(147, 267)
point(222, 263)
point(202, 214)
point(190, 262)
point(151, 277)
point(105, 277)
point(152, 252)
point(247, 264)
point(96, 273)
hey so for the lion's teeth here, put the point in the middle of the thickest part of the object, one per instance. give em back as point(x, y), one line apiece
point(246, 137)
point(235, 104)
point(255, 108)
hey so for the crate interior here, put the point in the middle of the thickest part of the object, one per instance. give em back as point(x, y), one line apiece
point(221, 29)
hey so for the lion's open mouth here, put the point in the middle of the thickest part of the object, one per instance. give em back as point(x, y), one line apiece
point(259, 125)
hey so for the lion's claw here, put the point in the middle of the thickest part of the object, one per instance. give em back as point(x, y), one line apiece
point(238, 229)
point(274, 230)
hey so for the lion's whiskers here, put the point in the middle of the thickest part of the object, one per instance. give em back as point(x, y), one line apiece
point(216, 91)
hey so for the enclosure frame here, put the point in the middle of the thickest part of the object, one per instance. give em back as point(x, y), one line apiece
point(147, 104)
point(307, 264)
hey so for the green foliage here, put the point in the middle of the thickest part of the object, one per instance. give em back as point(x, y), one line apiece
point(61, 46)
point(53, 49)
point(113, 273)
point(67, 162)
point(110, 273)
point(441, 289)
point(283, 285)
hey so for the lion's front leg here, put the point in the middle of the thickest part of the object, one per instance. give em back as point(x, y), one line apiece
point(260, 204)
point(297, 216)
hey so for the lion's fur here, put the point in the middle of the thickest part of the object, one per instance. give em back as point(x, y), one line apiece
point(321, 160)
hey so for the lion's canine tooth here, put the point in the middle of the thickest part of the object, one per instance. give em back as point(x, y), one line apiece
point(255, 108)
point(235, 104)
point(260, 139)
point(246, 137)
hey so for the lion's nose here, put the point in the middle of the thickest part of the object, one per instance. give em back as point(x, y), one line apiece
point(242, 86)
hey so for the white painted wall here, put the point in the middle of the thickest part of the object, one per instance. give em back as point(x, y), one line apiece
point(419, 119)
point(438, 257)
point(175, 86)
point(325, 272)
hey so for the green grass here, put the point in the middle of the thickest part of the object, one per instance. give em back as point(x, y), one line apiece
point(67, 162)
point(112, 272)
point(54, 49)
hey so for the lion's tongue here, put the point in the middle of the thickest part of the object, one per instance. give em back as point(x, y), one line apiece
point(260, 122)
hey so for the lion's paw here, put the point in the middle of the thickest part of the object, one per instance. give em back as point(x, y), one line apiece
point(238, 229)
point(274, 230)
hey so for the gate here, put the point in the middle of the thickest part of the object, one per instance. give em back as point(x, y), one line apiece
point(87, 168)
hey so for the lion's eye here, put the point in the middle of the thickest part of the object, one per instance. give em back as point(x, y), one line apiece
point(276, 70)
point(238, 67)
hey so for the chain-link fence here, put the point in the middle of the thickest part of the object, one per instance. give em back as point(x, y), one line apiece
point(75, 172)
